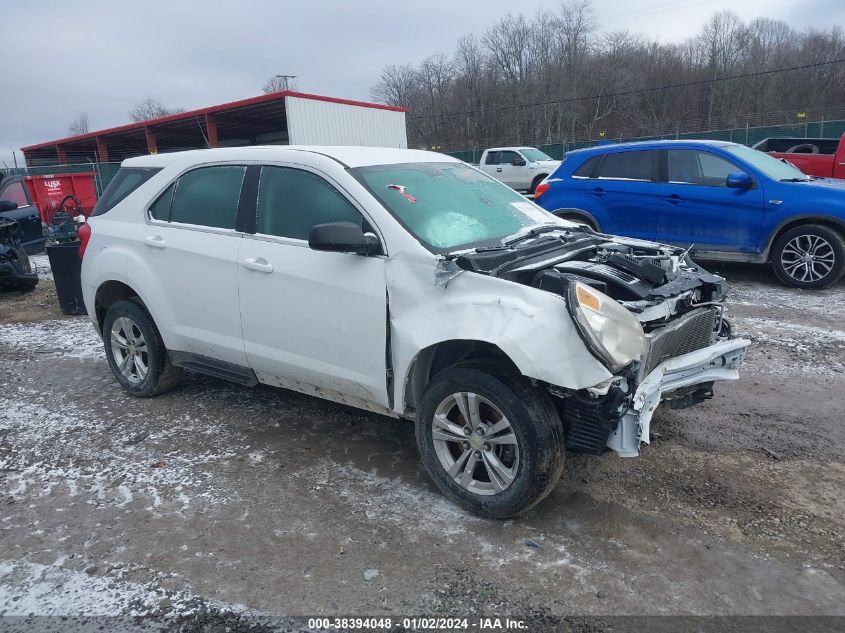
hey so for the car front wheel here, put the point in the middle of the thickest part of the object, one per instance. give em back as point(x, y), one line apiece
point(811, 256)
point(489, 440)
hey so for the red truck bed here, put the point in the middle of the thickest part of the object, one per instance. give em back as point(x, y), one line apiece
point(822, 157)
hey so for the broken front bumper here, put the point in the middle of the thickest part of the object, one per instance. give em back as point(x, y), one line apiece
point(716, 362)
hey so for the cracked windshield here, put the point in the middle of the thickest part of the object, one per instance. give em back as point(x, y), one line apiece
point(450, 205)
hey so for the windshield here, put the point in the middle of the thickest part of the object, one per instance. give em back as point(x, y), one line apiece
point(450, 206)
point(770, 166)
point(533, 155)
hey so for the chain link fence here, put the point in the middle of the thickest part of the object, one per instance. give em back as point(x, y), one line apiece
point(746, 135)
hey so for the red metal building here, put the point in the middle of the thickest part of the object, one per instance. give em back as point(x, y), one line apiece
point(283, 118)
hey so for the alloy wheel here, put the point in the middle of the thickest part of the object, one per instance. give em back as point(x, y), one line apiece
point(808, 258)
point(475, 443)
point(129, 349)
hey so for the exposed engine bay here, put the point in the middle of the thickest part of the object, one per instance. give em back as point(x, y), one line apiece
point(678, 304)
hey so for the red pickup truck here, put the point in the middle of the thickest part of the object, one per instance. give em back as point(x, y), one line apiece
point(822, 157)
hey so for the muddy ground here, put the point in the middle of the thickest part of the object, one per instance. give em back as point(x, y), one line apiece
point(243, 502)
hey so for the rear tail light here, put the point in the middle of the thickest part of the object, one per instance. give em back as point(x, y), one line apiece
point(84, 236)
point(542, 188)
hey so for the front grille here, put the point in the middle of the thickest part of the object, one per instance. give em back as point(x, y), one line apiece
point(692, 332)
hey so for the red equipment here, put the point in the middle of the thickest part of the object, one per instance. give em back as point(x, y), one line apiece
point(53, 191)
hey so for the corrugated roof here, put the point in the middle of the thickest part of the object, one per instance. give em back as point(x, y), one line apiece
point(190, 114)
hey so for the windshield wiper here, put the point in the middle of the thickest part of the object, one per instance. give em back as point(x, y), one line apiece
point(796, 179)
point(537, 230)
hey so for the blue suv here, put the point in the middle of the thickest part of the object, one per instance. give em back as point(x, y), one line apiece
point(726, 201)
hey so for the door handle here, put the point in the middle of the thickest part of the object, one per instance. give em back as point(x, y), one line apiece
point(258, 263)
point(598, 192)
point(498, 169)
point(673, 199)
point(156, 241)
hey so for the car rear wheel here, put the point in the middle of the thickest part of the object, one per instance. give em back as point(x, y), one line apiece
point(135, 351)
point(489, 440)
point(810, 256)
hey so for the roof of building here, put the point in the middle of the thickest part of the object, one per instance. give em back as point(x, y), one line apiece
point(191, 115)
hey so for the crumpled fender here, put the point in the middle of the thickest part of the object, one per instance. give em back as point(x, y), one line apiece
point(531, 326)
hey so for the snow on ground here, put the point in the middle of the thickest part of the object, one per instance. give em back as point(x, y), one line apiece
point(68, 338)
point(97, 471)
point(30, 588)
point(41, 263)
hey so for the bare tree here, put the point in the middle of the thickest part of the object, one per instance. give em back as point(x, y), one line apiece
point(552, 77)
point(79, 125)
point(151, 108)
point(277, 83)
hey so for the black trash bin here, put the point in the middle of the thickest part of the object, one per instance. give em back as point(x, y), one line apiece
point(67, 275)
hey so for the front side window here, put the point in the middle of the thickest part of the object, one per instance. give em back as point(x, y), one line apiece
point(636, 165)
point(506, 158)
point(698, 168)
point(208, 196)
point(15, 193)
point(292, 201)
point(125, 181)
point(449, 206)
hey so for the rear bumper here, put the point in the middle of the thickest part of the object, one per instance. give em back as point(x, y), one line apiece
point(719, 361)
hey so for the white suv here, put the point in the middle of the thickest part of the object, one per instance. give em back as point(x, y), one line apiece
point(410, 284)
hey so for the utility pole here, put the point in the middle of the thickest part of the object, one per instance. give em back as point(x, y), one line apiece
point(285, 79)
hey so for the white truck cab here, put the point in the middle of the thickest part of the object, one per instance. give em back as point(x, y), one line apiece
point(520, 168)
point(409, 284)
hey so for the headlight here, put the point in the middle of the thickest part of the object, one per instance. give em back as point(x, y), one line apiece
point(613, 334)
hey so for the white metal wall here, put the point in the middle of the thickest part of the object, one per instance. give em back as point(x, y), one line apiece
point(313, 122)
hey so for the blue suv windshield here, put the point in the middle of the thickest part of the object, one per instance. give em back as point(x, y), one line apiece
point(770, 166)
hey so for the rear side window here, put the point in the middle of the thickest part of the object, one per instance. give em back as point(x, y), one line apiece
point(586, 169)
point(492, 158)
point(292, 201)
point(125, 181)
point(160, 209)
point(208, 196)
point(627, 165)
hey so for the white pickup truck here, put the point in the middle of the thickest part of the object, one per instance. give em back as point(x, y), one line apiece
point(521, 168)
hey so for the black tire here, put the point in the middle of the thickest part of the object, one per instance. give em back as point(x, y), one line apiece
point(784, 253)
point(579, 220)
point(534, 423)
point(536, 182)
point(161, 375)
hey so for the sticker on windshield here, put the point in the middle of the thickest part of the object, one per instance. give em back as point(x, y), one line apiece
point(401, 189)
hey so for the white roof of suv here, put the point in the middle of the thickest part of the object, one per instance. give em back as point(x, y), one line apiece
point(349, 156)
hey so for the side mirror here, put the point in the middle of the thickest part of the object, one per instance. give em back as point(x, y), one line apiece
point(343, 237)
point(518, 162)
point(739, 180)
point(8, 205)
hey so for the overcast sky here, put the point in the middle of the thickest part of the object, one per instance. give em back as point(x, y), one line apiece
point(104, 56)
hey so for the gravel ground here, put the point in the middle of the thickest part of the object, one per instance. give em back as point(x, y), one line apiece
point(217, 503)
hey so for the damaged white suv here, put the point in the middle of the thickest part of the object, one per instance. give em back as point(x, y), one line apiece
point(410, 284)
